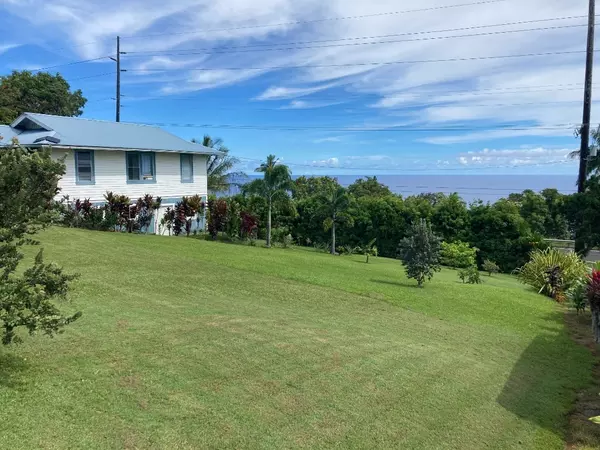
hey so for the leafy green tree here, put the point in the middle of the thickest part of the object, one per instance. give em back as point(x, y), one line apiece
point(368, 187)
point(334, 204)
point(219, 168)
point(28, 185)
point(420, 252)
point(501, 234)
point(37, 93)
point(450, 218)
point(534, 210)
point(304, 187)
point(490, 267)
point(457, 254)
point(556, 224)
point(583, 212)
point(275, 184)
point(593, 166)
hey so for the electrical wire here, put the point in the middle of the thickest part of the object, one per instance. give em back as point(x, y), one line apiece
point(327, 19)
point(92, 76)
point(513, 127)
point(381, 63)
point(448, 30)
point(71, 63)
point(215, 51)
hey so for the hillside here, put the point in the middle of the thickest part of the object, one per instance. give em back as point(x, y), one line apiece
point(192, 344)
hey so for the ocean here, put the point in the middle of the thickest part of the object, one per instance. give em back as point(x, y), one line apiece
point(469, 187)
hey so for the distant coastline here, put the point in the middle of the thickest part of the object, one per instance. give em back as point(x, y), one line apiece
point(469, 187)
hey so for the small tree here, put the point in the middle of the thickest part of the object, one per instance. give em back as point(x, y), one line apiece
point(28, 185)
point(490, 267)
point(420, 252)
point(369, 249)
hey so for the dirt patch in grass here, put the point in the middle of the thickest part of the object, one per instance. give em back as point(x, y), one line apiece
point(583, 433)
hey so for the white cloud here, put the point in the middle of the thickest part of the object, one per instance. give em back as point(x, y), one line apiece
point(6, 47)
point(328, 139)
point(515, 157)
point(420, 90)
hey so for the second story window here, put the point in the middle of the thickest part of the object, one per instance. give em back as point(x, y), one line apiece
point(187, 168)
point(141, 167)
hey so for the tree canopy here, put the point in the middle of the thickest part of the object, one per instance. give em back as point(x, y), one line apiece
point(219, 168)
point(37, 93)
point(28, 184)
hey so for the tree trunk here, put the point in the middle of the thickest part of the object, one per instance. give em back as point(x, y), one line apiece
point(333, 237)
point(269, 225)
point(596, 324)
point(367, 258)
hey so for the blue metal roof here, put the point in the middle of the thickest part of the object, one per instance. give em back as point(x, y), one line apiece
point(41, 129)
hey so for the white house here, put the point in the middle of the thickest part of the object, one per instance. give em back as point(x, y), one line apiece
point(124, 158)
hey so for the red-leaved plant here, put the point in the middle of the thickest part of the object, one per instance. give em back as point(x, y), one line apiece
point(593, 296)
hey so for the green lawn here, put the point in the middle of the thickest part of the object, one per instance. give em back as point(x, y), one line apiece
point(191, 344)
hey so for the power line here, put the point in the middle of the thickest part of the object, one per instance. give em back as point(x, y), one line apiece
point(522, 22)
point(413, 105)
point(71, 63)
point(381, 63)
point(328, 19)
point(514, 127)
point(278, 49)
point(92, 76)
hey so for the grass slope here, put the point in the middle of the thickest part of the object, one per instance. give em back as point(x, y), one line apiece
point(192, 344)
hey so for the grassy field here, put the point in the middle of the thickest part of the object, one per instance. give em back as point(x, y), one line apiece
point(192, 344)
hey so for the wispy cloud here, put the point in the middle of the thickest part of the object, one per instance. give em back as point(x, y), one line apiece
point(515, 157)
point(328, 139)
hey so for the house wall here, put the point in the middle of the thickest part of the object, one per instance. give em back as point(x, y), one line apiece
point(110, 175)
point(109, 169)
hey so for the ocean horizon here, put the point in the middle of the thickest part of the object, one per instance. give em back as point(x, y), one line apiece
point(469, 187)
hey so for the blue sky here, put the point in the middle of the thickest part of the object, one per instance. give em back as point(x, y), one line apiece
point(317, 76)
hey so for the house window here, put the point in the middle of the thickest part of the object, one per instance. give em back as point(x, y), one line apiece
point(141, 167)
point(187, 168)
point(84, 167)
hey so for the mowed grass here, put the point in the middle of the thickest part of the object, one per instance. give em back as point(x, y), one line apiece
point(192, 344)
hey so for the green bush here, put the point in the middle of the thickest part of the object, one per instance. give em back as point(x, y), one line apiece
point(578, 296)
point(470, 275)
point(552, 272)
point(457, 255)
point(490, 267)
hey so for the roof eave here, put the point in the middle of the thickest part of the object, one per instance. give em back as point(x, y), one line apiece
point(122, 149)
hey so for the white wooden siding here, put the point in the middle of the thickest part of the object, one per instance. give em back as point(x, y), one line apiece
point(109, 171)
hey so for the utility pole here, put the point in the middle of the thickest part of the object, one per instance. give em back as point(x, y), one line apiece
point(119, 70)
point(587, 99)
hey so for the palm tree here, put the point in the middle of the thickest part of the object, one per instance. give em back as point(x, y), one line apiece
point(218, 167)
point(274, 185)
point(593, 165)
point(334, 204)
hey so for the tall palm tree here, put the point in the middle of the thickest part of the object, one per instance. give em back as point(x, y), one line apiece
point(218, 167)
point(335, 202)
point(275, 184)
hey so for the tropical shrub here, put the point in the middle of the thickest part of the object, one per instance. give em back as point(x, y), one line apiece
point(369, 249)
point(248, 226)
point(490, 267)
point(287, 241)
point(146, 207)
point(470, 275)
point(578, 296)
point(457, 254)
point(420, 252)
point(217, 216)
point(552, 272)
point(593, 298)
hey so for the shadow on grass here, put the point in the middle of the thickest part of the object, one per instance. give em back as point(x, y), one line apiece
point(396, 283)
point(542, 381)
point(11, 368)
